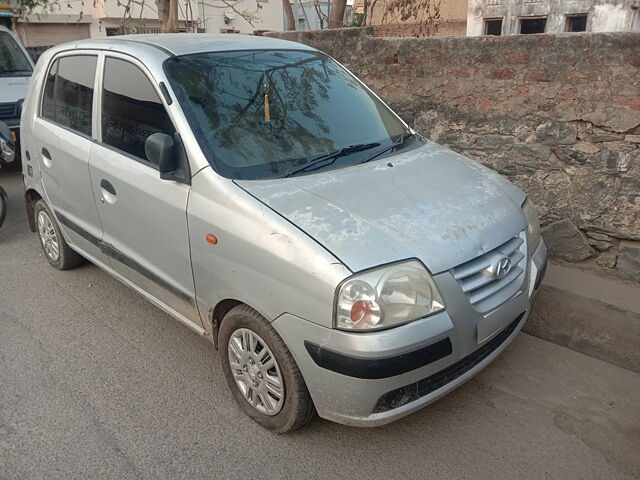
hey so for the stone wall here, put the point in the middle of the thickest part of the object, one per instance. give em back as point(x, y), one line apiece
point(450, 27)
point(559, 115)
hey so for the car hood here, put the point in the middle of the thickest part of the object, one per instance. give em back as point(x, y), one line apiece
point(13, 89)
point(430, 203)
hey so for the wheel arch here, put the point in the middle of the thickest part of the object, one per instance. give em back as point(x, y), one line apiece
point(217, 314)
point(31, 196)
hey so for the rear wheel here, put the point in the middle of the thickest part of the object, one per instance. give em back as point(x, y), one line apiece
point(261, 372)
point(55, 247)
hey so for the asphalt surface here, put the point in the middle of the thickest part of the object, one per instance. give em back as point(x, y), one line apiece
point(95, 382)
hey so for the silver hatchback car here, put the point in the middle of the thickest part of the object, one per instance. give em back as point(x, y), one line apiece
point(263, 196)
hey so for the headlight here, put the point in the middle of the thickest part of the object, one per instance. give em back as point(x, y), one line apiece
point(533, 225)
point(386, 297)
point(7, 150)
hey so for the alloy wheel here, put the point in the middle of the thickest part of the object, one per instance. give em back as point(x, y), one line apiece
point(256, 371)
point(48, 236)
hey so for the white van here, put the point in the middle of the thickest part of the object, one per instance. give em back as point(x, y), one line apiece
point(16, 68)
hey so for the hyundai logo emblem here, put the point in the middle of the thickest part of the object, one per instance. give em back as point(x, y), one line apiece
point(501, 268)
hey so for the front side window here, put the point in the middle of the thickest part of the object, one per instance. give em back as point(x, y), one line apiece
point(277, 113)
point(68, 92)
point(131, 108)
point(13, 62)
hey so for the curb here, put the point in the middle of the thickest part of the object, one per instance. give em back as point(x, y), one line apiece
point(590, 314)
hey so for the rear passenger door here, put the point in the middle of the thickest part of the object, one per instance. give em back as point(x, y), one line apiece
point(63, 136)
point(144, 217)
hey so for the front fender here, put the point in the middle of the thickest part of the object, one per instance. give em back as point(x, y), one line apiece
point(259, 259)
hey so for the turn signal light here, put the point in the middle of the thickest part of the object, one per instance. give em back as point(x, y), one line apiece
point(212, 239)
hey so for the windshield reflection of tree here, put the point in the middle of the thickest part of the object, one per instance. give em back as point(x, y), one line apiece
point(292, 130)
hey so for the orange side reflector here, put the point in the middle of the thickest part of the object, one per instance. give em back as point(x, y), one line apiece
point(212, 239)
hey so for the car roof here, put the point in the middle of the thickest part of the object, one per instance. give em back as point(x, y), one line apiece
point(186, 43)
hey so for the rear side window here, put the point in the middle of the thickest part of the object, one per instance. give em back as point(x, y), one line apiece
point(68, 92)
point(131, 108)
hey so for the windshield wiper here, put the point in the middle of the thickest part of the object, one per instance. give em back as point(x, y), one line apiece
point(397, 143)
point(331, 157)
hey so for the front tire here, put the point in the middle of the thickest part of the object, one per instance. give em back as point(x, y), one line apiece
point(261, 373)
point(55, 248)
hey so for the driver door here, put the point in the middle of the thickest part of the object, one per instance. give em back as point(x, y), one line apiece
point(143, 217)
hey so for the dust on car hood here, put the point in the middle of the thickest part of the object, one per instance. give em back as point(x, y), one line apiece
point(430, 203)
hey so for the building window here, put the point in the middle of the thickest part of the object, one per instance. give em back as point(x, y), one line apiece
point(530, 25)
point(302, 24)
point(493, 26)
point(576, 23)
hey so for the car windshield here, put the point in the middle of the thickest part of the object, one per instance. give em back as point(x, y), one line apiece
point(13, 61)
point(277, 113)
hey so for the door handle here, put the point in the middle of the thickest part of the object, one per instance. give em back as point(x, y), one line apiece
point(46, 158)
point(106, 185)
point(107, 192)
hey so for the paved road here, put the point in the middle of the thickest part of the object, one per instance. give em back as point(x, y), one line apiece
point(97, 383)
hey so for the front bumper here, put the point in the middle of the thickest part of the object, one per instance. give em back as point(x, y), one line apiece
point(369, 379)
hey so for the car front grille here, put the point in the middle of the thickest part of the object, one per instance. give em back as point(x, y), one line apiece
point(7, 111)
point(409, 393)
point(476, 279)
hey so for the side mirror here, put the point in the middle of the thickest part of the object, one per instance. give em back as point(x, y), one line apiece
point(7, 145)
point(160, 150)
point(169, 154)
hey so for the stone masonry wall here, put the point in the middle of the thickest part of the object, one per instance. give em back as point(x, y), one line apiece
point(559, 115)
point(450, 27)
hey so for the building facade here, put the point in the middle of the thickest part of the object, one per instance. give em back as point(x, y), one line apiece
point(77, 19)
point(245, 16)
point(314, 14)
point(309, 14)
point(514, 17)
point(6, 15)
point(452, 18)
